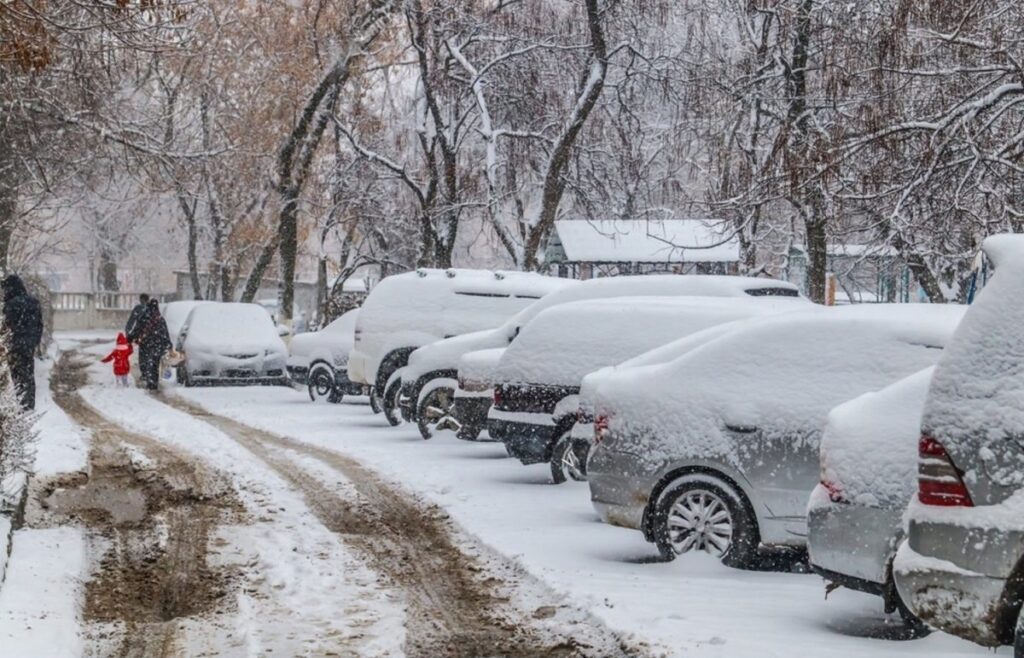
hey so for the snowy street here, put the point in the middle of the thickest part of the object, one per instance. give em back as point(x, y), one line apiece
point(250, 522)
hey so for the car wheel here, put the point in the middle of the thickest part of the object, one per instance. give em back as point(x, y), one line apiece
point(915, 627)
point(435, 412)
point(389, 403)
point(698, 512)
point(568, 460)
point(321, 385)
point(375, 401)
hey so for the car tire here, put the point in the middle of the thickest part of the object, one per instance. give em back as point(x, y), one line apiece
point(320, 384)
point(568, 460)
point(734, 538)
point(434, 411)
point(389, 403)
point(375, 402)
point(915, 627)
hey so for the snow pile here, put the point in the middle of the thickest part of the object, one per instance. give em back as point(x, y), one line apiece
point(232, 329)
point(781, 375)
point(869, 448)
point(564, 343)
point(976, 401)
point(331, 344)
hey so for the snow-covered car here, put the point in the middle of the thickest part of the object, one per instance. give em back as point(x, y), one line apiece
point(410, 310)
point(868, 475)
point(319, 360)
point(475, 391)
point(231, 343)
point(961, 569)
point(440, 360)
point(175, 314)
point(537, 381)
point(718, 450)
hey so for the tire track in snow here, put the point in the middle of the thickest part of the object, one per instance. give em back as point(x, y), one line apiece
point(456, 606)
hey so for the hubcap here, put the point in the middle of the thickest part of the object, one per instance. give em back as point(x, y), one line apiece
point(700, 521)
point(437, 412)
point(571, 463)
point(322, 385)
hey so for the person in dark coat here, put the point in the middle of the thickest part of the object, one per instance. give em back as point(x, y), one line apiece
point(133, 318)
point(154, 341)
point(23, 322)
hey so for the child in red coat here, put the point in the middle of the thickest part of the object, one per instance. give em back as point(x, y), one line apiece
point(119, 356)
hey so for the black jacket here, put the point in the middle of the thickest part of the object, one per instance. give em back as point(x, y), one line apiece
point(23, 317)
point(151, 331)
point(136, 315)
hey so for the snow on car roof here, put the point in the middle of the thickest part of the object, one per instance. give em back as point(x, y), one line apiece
point(869, 448)
point(704, 285)
point(566, 342)
point(1004, 248)
point(782, 374)
point(978, 387)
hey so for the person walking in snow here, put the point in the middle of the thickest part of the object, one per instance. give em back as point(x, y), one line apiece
point(120, 355)
point(137, 312)
point(23, 322)
point(154, 341)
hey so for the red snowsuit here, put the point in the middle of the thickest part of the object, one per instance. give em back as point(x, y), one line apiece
point(120, 356)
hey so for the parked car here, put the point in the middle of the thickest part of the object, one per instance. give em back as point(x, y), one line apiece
point(409, 310)
point(538, 377)
point(961, 569)
point(717, 451)
point(475, 391)
point(319, 360)
point(175, 314)
point(231, 343)
point(440, 360)
point(868, 476)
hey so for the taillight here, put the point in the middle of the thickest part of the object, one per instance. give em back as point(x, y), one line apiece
point(498, 397)
point(835, 492)
point(939, 481)
point(600, 428)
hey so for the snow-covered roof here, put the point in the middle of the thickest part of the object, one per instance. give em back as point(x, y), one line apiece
point(646, 241)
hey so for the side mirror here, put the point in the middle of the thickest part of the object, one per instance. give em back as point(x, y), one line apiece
point(283, 331)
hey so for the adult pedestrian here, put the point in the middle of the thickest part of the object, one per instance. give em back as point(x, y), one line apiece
point(138, 311)
point(23, 322)
point(154, 341)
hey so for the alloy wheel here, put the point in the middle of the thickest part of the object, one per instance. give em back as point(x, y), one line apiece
point(700, 521)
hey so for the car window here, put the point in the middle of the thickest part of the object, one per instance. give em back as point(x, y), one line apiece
point(772, 292)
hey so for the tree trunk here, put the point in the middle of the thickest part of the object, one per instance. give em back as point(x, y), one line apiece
point(554, 177)
point(255, 280)
point(107, 274)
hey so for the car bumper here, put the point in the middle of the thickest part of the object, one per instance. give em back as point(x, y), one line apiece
point(855, 541)
point(298, 374)
point(960, 602)
point(619, 487)
point(528, 442)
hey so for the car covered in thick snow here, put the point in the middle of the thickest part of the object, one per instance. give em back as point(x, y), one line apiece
point(961, 569)
point(440, 360)
point(406, 311)
point(538, 378)
point(717, 451)
point(231, 343)
point(319, 360)
point(475, 391)
point(868, 475)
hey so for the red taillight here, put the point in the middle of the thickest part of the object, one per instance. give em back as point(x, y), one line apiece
point(600, 428)
point(498, 397)
point(835, 492)
point(939, 481)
